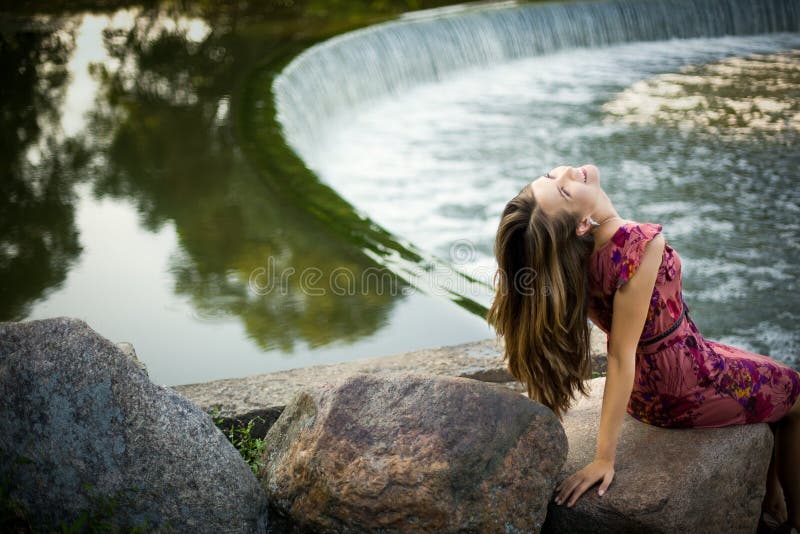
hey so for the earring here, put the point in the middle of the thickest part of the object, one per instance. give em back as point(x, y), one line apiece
point(594, 223)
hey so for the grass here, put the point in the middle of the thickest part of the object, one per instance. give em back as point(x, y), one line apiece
point(250, 447)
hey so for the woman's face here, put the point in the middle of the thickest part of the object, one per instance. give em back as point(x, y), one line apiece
point(575, 189)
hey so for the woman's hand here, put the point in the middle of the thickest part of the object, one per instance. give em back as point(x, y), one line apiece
point(584, 479)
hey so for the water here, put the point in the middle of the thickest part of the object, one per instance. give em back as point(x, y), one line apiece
point(148, 189)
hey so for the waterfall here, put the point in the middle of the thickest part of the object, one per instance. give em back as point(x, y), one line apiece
point(375, 62)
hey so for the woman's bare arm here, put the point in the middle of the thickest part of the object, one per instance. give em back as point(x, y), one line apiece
point(631, 303)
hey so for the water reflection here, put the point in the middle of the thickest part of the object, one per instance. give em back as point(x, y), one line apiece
point(38, 238)
point(172, 151)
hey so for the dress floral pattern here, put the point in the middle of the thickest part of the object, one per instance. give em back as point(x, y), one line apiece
point(683, 379)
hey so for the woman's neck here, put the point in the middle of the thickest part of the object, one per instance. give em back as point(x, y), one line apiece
point(609, 222)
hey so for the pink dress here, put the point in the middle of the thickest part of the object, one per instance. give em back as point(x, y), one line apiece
point(683, 379)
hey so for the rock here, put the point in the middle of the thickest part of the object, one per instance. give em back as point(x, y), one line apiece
point(128, 350)
point(599, 350)
point(666, 480)
point(81, 425)
point(412, 453)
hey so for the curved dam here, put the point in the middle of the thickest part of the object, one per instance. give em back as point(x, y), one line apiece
point(350, 70)
point(429, 123)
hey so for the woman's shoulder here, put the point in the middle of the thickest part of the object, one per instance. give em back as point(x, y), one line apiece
point(629, 232)
point(634, 231)
point(632, 245)
point(620, 256)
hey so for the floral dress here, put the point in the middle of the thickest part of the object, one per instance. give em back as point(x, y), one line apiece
point(683, 379)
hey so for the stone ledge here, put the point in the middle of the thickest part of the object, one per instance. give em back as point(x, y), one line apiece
point(266, 395)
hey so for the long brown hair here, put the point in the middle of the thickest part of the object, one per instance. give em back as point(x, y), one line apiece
point(540, 304)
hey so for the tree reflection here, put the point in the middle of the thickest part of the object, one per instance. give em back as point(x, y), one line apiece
point(164, 126)
point(38, 237)
point(169, 133)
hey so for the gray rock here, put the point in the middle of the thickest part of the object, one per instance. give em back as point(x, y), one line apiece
point(666, 480)
point(128, 350)
point(412, 453)
point(81, 423)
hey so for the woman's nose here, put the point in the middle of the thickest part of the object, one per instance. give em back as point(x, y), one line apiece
point(572, 174)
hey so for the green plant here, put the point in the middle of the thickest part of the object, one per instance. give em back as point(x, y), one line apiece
point(250, 447)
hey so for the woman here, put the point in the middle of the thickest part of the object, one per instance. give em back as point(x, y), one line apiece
point(565, 254)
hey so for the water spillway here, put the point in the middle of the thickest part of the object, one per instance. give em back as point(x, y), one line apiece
point(350, 70)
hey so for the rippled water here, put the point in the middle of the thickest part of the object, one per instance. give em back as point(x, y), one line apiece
point(699, 135)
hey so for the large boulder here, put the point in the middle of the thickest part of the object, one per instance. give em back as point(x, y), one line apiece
point(84, 433)
point(412, 453)
point(666, 480)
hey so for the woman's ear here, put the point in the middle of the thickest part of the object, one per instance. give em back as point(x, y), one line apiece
point(584, 226)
